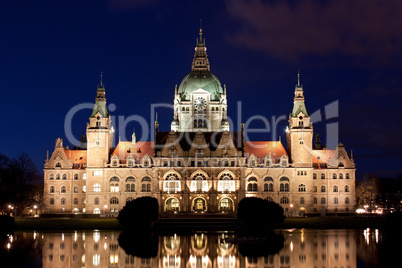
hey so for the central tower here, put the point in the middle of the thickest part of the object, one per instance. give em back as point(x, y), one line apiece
point(200, 102)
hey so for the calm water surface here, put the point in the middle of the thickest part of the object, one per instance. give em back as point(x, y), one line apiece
point(301, 248)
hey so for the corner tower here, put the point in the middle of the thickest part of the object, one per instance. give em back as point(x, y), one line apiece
point(299, 135)
point(200, 102)
point(99, 131)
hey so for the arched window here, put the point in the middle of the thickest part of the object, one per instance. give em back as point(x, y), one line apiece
point(314, 176)
point(51, 177)
point(226, 183)
point(75, 176)
point(315, 189)
point(75, 201)
point(335, 189)
point(336, 200)
point(64, 177)
point(63, 189)
point(63, 201)
point(97, 187)
point(301, 200)
point(315, 200)
point(334, 176)
point(322, 176)
point(129, 199)
point(51, 190)
point(302, 187)
point(130, 163)
point(347, 200)
point(284, 184)
point(130, 184)
point(114, 201)
point(347, 176)
point(57, 176)
point(146, 184)
point(323, 201)
point(172, 183)
point(76, 189)
point(96, 201)
point(114, 163)
point(346, 188)
point(58, 164)
point(322, 189)
point(84, 201)
point(252, 185)
point(51, 201)
point(268, 184)
point(341, 176)
point(284, 200)
point(84, 189)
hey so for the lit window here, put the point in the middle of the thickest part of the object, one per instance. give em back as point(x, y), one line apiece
point(84, 189)
point(97, 188)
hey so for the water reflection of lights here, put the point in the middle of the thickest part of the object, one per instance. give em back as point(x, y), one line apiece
point(368, 235)
point(8, 245)
point(171, 261)
point(291, 246)
point(96, 236)
point(195, 261)
point(114, 259)
point(226, 261)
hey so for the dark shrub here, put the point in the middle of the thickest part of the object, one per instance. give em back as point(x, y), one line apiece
point(139, 213)
point(7, 224)
point(256, 215)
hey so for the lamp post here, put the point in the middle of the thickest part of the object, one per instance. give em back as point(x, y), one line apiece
point(36, 211)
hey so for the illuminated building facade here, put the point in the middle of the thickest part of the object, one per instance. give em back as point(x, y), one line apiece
point(200, 166)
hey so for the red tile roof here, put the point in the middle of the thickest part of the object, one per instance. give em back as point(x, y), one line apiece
point(138, 150)
point(78, 157)
point(263, 148)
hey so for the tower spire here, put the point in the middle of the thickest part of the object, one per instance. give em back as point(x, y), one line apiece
point(298, 78)
point(200, 30)
point(101, 77)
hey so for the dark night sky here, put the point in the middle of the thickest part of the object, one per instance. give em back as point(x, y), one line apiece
point(52, 53)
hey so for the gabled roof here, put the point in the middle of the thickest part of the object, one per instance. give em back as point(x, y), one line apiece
point(263, 148)
point(78, 157)
point(137, 150)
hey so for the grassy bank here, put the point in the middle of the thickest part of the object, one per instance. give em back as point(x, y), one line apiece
point(112, 223)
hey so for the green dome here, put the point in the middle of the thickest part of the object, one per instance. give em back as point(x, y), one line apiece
point(200, 79)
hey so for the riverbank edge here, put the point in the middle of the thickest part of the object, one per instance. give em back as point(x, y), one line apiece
point(112, 224)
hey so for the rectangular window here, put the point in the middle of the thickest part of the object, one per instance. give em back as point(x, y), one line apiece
point(97, 173)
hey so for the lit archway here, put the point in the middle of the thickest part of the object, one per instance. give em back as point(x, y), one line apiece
point(172, 205)
point(225, 205)
point(199, 204)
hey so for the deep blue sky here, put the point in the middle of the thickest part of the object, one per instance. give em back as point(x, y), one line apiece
point(52, 53)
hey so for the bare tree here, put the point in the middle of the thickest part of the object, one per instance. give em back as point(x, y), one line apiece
point(367, 192)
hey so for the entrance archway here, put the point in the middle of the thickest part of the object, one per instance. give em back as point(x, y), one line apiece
point(172, 205)
point(225, 205)
point(302, 211)
point(199, 204)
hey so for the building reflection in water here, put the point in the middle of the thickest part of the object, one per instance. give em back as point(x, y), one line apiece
point(302, 248)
